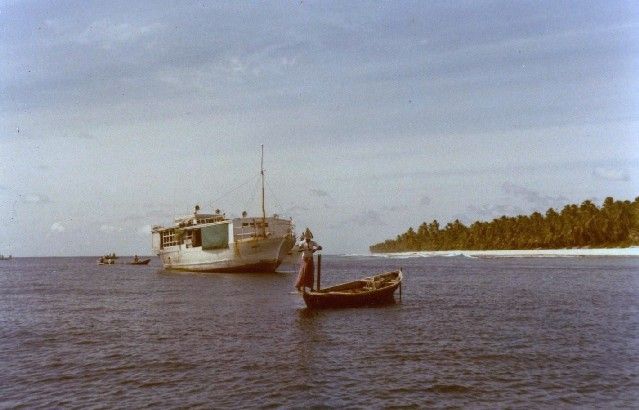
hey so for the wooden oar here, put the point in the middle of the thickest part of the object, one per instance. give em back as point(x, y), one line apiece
point(319, 270)
point(400, 285)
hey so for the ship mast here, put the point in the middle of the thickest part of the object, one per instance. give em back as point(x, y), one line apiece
point(263, 209)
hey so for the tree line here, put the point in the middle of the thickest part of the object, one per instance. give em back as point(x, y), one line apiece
point(614, 224)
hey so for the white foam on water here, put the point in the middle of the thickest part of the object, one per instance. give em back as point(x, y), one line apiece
point(527, 253)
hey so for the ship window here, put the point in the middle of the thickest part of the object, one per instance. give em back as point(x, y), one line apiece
point(168, 238)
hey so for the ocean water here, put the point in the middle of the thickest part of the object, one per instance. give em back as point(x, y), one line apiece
point(498, 332)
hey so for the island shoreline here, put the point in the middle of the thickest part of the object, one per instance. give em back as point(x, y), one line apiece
point(632, 251)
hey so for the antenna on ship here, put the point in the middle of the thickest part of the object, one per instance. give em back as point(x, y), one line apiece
point(263, 209)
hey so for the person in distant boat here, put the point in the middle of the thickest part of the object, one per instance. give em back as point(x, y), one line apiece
point(135, 258)
point(307, 247)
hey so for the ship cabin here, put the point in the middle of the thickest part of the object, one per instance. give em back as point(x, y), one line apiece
point(215, 231)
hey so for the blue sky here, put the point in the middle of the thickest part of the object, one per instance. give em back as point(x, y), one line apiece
point(375, 116)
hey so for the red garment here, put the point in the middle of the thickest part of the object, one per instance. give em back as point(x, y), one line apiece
point(306, 276)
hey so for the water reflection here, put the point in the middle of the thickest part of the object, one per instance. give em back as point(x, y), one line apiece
point(309, 333)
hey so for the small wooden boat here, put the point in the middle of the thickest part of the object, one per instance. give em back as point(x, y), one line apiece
point(374, 290)
point(108, 259)
point(140, 262)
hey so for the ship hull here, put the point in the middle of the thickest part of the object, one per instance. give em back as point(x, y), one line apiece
point(262, 267)
point(250, 255)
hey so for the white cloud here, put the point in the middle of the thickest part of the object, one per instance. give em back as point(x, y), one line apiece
point(394, 208)
point(144, 230)
point(296, 210)
point(33, 198)
point(57, 227)
point(319, 192)
point(367, 217)
point(288, 61)
point(237, 65)
point(611, 174)
point(489, 212)
point(533, 198)
point(108, 228)
point(108, 34)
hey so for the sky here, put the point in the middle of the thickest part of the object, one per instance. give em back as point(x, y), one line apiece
point(374, 116)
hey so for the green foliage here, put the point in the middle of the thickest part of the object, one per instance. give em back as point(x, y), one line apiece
point(614, 224)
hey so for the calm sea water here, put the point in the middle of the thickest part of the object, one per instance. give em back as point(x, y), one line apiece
point(550, 332)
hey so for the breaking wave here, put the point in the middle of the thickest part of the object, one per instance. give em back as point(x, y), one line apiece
point(529, 253)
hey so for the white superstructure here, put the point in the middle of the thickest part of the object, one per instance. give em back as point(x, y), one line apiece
point(214, 243)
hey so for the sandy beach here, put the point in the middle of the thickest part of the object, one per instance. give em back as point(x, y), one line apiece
point(540, 253)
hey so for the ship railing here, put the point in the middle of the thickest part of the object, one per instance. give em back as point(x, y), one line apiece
point(244, 235)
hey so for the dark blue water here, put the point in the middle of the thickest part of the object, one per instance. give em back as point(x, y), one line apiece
point(551, 332)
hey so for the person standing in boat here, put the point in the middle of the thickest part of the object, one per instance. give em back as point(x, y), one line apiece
point(307, 247)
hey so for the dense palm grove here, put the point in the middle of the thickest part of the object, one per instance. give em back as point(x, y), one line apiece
point(614, 224)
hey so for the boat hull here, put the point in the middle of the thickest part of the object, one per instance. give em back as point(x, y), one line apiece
point(261, 267)
point(339, 297)
point(252, 255)
point(383, 297)
point(142, 262)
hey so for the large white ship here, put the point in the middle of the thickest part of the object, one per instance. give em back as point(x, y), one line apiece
point(213, 243)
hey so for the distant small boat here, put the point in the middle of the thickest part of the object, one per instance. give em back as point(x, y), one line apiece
point(139, 262)
point(106, 261)
point(374, 290)
point(5, 258)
